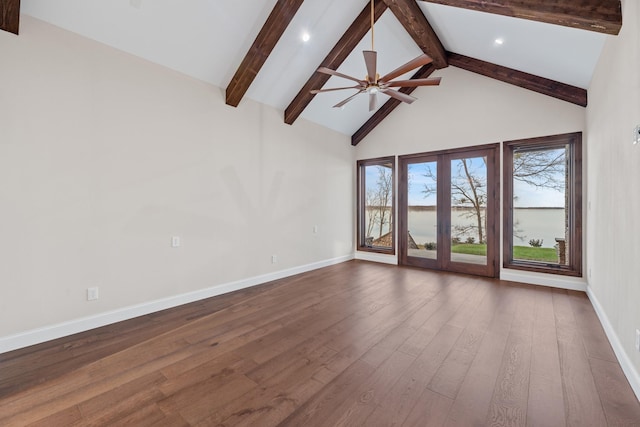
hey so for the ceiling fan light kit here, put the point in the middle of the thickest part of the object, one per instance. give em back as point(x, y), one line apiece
point(373, 83)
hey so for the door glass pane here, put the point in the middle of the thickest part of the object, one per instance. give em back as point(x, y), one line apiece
point(540, 222)
point(469, 210)
point(378, 212)
point(422, 216)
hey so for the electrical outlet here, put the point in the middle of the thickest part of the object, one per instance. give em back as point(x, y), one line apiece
point(274, 259)
point(92, 294)
point(638, 339)
point(636, 135)
point(175, 241)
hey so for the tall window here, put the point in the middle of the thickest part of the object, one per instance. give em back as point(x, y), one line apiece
point(543, 204)
point(376, 204)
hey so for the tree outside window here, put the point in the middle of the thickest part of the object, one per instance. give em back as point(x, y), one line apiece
point(376, 205)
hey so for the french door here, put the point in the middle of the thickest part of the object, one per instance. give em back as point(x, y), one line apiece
point(448, 210)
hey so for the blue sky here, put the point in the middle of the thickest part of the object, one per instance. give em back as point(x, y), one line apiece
point(527, 195)
point(417, 183)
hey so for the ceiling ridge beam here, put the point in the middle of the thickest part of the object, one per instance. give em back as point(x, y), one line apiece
point(10, 16)
point(342, 49)
point(416, 24)
point(389, 106)
point(276, 24)
point(555, 89)
point(603, 16)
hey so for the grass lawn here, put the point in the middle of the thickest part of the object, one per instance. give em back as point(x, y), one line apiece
point(519, 252)
point(469, 248)
point(535, 254)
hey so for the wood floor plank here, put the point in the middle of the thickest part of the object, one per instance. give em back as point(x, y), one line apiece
point(620, 407)
point(430, 410)
point(582, 403)
point(408, 329)
point(122, 401)
point(420, 339)
point(207, 397)
point(595, 341)
point(68, 417)
point(372, 392)
point(406, 392)
point(510, 396)
point(473, 400)
point(546, 399)
point(356, 343)
point(320, 407)
point(448, 379)
point(88, 381)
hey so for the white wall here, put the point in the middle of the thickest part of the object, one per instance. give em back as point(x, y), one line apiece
point(613, 228)
point(104, 157)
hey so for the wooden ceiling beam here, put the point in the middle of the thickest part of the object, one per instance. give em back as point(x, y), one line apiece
point(277, 22)
point(413, 20)
point(10, 15)
point(354, 34)
point(558, 90)
point(389, 106)
point(603, 16)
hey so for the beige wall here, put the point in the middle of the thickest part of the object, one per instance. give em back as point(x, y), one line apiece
point(104, 157)
point(613, 227)
point(469, 109)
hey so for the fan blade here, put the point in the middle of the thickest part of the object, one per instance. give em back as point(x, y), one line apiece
point(341, 103)
point(370, 59)
point(414, 82)
point(329, 71)
point(399, 96)
point(314, 91)
point(373, 101)
point(411, 65)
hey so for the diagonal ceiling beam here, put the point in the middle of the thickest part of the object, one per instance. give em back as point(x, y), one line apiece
point(562, 91)
point(389, 106)
point(358, 29)
point(10, 15)
point(413, 20)
point(604, 16)
point(278, 21)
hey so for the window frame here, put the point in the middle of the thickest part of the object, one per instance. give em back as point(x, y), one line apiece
point(361, 208)
point(574, 204)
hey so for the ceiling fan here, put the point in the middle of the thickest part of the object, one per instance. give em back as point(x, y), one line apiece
point(373, 83)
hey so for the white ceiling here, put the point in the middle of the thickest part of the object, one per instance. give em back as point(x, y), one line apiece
point(208, 39)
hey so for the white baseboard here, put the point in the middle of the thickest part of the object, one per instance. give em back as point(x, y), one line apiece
point(551, 280)
point(48, 333)
point(376, 257)
point(623, 358)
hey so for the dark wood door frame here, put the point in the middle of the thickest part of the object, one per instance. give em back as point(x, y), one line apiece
point(444, 157)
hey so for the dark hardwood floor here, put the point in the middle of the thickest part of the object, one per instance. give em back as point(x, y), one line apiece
point(353, 344)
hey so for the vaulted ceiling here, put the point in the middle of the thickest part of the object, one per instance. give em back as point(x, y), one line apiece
point(255, 49)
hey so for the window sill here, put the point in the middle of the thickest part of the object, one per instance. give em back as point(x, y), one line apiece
point(537, 267)
point(377, 250)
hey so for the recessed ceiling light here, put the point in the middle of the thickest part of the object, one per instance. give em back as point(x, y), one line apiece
point(306, 37)
point(498, 41)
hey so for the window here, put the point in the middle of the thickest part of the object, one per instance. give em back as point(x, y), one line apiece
point(376, 205)
point(543, 204)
